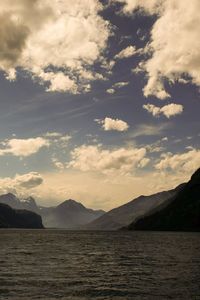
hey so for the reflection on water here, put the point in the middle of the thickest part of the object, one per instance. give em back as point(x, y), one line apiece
point(58, 264)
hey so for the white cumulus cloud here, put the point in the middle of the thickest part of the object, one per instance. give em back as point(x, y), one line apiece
point(56, 42)
point(95, 158)
point(23, 147)
point(116, 86)
point(120, 84)
point(20, 184)
point(29, 180)
point(127, 52)
point(110, 91)
point(182, 162)
point(113, 124)
point(174, 44)
point(168, 111)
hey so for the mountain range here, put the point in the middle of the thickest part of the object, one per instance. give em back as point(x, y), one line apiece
point(182, 213)
point(16, 203)
point(70, 214)
point(127, 213)
point(176, 209)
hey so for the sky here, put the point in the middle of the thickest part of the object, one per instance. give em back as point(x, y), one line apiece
point(100, 100)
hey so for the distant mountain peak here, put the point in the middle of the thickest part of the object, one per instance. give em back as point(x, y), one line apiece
point(69, 214)
point(11, 200)
point(71, 201)
point(17, 203)
point(9, 195)
point(71, 204)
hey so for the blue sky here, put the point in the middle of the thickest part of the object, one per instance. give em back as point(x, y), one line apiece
point(99, 100)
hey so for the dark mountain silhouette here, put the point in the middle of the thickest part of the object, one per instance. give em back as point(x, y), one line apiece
point(181, 214)
point(124, 214)
point(69, 214)
point(17, 218)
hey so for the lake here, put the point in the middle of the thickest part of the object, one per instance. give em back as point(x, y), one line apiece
point(80, 265)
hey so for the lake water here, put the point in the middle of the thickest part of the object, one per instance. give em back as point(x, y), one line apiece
point(59, 264)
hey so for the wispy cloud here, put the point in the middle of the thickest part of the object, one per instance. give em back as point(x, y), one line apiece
point(149, 130)
point(127, 52)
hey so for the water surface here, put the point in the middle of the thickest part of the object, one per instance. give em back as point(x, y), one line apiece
point(59, 264)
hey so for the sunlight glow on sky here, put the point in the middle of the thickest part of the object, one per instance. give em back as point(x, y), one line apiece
point(99, 99)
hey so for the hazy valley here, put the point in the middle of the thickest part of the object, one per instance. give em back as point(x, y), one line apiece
point(176, 209)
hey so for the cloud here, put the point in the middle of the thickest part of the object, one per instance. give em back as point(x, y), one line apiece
point(129, 6)
point(57, 137)
point(155, 147)
point(126, 53)
point(113, 124)
point(168, 111)
point(110, 91)
point(26, 147)
point(23, 147)
point(148, 130)
point(54, 41)
point(95, 158)
point(95, 191)
point(120, 84)
point(20, 184)
point(117, 85)
point(59, 82)
point(28, 181)
point(53, 134)
point(168, 59)
point(58, 164)
point(182, 162)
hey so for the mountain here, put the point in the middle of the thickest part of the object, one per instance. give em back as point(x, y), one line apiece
point(11, 200)
point(15, 218)
point(16, 203)
point(69, 214)
point(125, 214)
point(30, 204)
point(181, 214)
